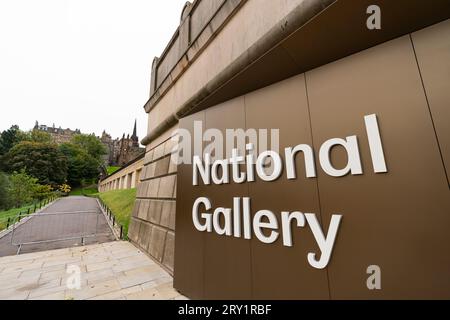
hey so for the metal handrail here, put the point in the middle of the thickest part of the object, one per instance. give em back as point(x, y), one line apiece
point(111, 216)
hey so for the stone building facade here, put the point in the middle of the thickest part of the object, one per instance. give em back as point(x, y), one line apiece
point(59, 135)
point(314, 70)
point(153, 219)
point(112, 148)
point(127, 149)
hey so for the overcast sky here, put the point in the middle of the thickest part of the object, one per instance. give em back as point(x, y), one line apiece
point(81, 63)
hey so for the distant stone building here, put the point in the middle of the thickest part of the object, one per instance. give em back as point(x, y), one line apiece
point(119, 151)
point(58, 135)
point(128, 148)
point(112, 148)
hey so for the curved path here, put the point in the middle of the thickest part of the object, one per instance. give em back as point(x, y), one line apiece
point(65, 218)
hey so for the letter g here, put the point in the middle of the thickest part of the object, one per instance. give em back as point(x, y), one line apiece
point(202, 227)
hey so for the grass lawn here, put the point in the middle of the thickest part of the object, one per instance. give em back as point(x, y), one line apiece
point(121, 203)
point(112, 169)
point(83, 191)
point(11, 213)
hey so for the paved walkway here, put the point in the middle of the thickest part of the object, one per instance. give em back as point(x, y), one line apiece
point(65, 218)
point(112, 270)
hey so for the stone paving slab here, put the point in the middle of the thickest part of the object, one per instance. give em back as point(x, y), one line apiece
point(109, 271)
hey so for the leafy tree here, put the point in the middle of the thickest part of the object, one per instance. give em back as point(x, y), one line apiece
point(9, 138)
point(43, 161)
point(81, 165)
point(4, 196)
point(21, 188)
point(39, 136)
point(91, 144)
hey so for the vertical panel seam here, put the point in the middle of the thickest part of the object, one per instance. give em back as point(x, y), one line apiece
point(317, 180)
point(203, 234)
point(429, 109)
point(248, 194)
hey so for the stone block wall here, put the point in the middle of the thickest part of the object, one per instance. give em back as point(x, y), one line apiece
point(152, 225)
point(125, 178)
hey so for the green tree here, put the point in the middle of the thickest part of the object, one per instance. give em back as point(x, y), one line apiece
point(4, 196)
point(9, 138)
point(43, 161)
point(91, 144)
point(80, 164)
point(39, 136)
point(21, 188)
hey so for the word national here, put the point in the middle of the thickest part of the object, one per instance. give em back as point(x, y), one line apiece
point(219, 170)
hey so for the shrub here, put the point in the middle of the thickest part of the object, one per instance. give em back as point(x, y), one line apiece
point(21, 188)
point(42, 192)
point(4, 196)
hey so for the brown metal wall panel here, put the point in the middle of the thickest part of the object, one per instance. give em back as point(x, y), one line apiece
point(227, 259)
point(398, 220)
point(432, 47)
point(281, 272)
point(189, 243)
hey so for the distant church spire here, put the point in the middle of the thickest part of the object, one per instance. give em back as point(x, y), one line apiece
point(134, 136)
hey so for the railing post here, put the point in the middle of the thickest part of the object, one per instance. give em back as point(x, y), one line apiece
point(28, 211)
point(7, 224)
point(121, 232)
point(114, 220)
point(20, 216)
